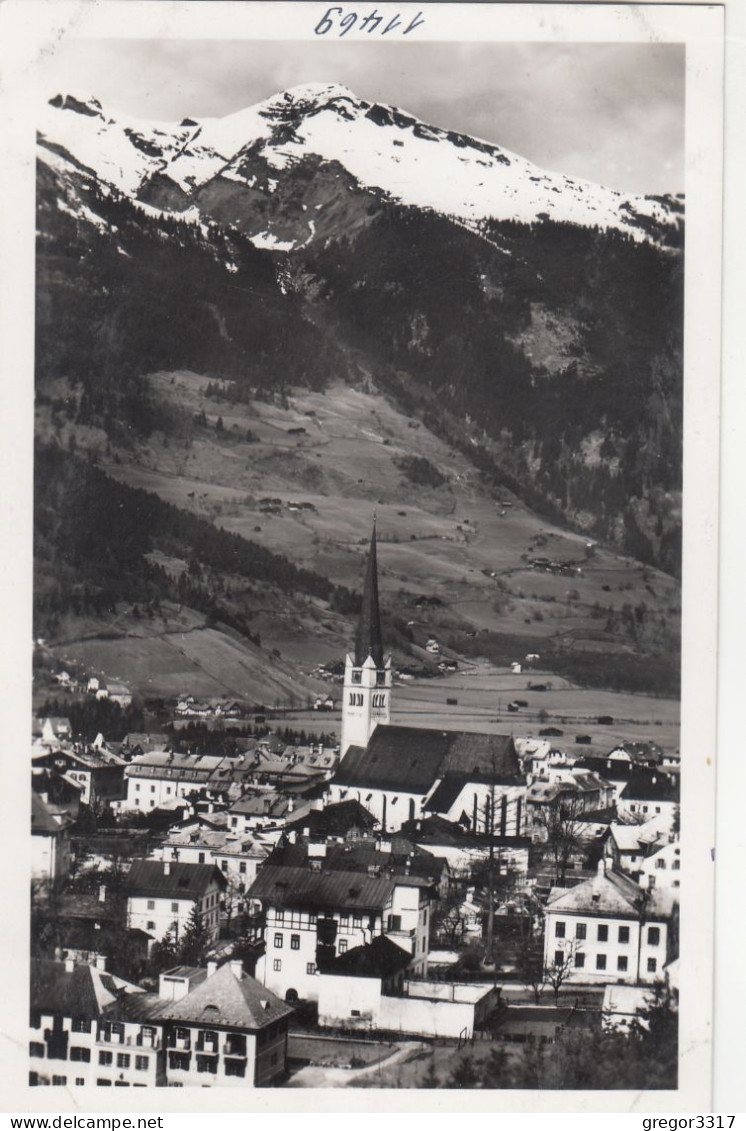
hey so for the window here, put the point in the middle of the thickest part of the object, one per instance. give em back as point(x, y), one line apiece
point(342, 946)
point(235, 1068)
point(600, 961)
point(621, 963)
point(295, 942)
point(279, 916)
point(151, 905)
point(207, 1064)
point(580, 961)
point(652, 965)
point(394, 923)
point(78, 1053)
point(580, 930)
point(101, 1083)
point(36, 1021)
point(357, 920)
point(558, 957)
point(81, 1025)
point(242, 867)
point(152, 789)
point(151, 925)
point(36, 1048)
point(354, 1013)
point(676, 865)
point(559, 930)
point(137, 785)
point(224, 865)
point(123, 1060)
point(654, 936)
point(310, 968)
point(59, 1080)
point(660, 864)
point(278, 941)
point(603, 933)
point(105, 1058)
point(277, 965)
point(79, 1080)
point(624, 934)
point(141, 1063)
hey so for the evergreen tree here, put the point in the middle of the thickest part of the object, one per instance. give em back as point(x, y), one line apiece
point(195, 941)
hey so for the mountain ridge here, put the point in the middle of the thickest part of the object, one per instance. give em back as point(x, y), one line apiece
point(387, 151)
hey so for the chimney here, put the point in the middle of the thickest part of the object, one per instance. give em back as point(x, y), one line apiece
point(166, 867)
point(102, 893)
point(212, 967)
point(291, 805)
point(601, 867)
point(236, 966)
point(101, 962)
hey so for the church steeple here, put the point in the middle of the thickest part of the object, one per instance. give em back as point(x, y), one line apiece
point(368, 676)
point(369, 641)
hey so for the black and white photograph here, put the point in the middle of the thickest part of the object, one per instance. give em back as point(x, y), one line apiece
point(359, 749)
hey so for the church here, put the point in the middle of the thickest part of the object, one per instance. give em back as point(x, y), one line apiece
point(407, 773)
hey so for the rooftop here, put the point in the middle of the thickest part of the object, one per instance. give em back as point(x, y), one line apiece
point(377, 959)
point(411, 759)
point(188, 881)
point(279, 886)
point(229, 998)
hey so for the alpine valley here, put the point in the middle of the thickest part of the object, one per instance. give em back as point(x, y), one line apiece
point(253, 330)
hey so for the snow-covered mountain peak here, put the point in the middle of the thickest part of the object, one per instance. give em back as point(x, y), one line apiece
point(384, 150)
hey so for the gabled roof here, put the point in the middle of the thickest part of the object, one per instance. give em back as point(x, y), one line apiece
point(626, 837)
point(230, 999)
point(280, 886)
point(184, 881)
point(411, 759)
point(84, 991)
point(377, 959)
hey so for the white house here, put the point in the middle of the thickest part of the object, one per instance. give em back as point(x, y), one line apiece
point(162, 777)
point(214, 1027)
point(161, 896)
point(610, 929)
point(50, 841)
point(314, 915)
point(662, 870)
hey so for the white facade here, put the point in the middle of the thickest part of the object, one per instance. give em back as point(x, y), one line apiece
point(158, 914)
point(391, 808)
point(663, 868)
point(606, 949)
point(289, 961)
point(366, 701)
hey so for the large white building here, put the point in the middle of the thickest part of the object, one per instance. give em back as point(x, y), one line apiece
point(609, 929)
point(204, 1028)
point(161, 896)
point(313, 915)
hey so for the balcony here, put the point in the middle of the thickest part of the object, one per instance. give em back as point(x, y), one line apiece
point(147, 1042)
point(181, 1044)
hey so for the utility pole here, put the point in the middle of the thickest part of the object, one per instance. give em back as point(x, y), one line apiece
point(489, 942)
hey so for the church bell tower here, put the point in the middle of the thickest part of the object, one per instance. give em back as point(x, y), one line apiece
point(368, 674)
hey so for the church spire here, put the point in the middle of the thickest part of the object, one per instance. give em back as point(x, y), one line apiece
point(369, 641)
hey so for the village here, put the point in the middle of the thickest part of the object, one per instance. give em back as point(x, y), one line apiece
point(306, 910)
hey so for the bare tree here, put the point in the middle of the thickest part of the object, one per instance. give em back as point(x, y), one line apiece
point(564, 963)
point(561, 823)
